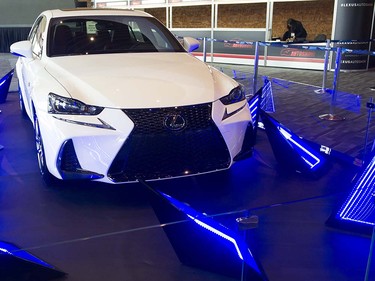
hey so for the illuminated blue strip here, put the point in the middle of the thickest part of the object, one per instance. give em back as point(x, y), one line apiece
point(310, 158)
point(267, 103)
point(254, 108)
point(5, 251)
point(209, 224)
point(360, 205)
point(17, 252)
point(6, 78)
point(221, 234)
point(359, 192)
point(17, 54)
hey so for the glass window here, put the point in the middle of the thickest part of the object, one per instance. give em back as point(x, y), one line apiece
point(104, 34)
point(36, 36)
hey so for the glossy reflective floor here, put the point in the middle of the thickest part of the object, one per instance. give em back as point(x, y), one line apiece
point(110, 232)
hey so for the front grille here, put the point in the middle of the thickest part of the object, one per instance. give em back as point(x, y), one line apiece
point(158, 149)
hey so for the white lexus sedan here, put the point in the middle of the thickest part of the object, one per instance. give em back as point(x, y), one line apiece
point(114, 97)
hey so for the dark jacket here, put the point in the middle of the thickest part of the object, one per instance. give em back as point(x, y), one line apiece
point(296, 27)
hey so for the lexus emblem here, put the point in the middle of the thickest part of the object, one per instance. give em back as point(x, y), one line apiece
point(174, 122)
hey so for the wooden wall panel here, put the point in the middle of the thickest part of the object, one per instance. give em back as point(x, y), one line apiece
point(242, 16)
point(192, 17)
point(316, 16)
point(158, 13)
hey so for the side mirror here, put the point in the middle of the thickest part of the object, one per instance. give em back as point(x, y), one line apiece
point(190, 44)
point(22, 49)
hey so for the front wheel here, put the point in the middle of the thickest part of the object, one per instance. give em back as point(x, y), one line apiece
point(46, 175)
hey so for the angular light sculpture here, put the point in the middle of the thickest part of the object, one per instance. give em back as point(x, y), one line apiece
point(358, 211)
point(202, 242)
point(335, 154)
point(251, 130)
point(267, 104)
point(254, 105)
point(18, 264)
point(5, 85)
point(292, 152)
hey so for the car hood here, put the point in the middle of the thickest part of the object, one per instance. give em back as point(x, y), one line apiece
point(148, 80)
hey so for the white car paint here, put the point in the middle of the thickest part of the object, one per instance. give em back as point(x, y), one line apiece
point(119, 82)
point(171, 83)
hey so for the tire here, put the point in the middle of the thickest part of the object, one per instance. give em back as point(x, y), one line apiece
point(22, 104)
point(48, 178)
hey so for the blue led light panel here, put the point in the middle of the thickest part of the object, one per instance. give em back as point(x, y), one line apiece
point(254, 109)
point(226, 235)
point(360, 205)
point(254, 105)
point(267, 103)
point(200, 241)
point(311, 157)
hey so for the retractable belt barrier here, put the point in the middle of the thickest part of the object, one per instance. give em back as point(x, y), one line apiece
point(302, 45)
point(338, 48)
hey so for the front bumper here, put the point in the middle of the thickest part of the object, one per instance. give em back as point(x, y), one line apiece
point(138, 145)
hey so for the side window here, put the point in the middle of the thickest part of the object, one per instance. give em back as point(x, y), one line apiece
point(136, 32)
point(36, 36)
point(161, 42)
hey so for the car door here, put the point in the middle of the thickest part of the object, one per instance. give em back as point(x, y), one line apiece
point(31, 67)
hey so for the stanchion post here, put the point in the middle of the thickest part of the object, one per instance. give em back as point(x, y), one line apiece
point(370, 105)
point(256, 61)
point(326, 61)
point(204, 49)
point(331, 115)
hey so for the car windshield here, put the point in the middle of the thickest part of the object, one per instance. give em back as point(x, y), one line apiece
point(99, 35)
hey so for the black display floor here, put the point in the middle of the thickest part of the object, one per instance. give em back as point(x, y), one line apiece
point(104, 232)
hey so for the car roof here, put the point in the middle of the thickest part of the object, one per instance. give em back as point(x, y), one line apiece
point(57, 13)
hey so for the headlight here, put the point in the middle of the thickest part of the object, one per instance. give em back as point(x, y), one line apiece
point(236, 95)
point(62, 105)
